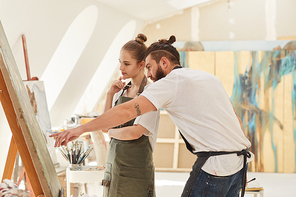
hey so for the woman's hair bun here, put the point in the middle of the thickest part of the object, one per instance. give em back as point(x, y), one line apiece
point(141, 38)
point(171, 40)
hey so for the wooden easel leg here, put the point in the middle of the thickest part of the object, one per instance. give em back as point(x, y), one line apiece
point(18, 138)
point(21, 177)
point(27, 182)
point(10, 160)
point(16, 167)
point(29, 187)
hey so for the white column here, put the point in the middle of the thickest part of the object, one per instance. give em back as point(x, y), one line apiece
point(195, 23)
point(270, 13)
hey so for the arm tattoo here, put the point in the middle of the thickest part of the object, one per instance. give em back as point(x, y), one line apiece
point(138, 109)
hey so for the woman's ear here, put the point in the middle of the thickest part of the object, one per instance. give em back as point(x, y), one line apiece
point(142, 64)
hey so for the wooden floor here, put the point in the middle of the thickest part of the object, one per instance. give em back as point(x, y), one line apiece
point(274, 184)
point(170, 184)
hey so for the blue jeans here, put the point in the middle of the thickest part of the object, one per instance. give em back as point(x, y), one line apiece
point(208, 185)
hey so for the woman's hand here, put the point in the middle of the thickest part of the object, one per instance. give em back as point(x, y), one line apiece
point(116, 86)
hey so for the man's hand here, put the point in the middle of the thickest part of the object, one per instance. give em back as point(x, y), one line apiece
point(66, 136)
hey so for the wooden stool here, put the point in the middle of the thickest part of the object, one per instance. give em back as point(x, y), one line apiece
point(255, 191)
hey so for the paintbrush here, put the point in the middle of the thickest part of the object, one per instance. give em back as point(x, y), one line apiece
point(68, 154)
point(76, 151)
point(74, 154)
point(63, 154)
point(62, 151)
point(85, 156)
point(80, 154)
point(72, 157)
point(79, 151)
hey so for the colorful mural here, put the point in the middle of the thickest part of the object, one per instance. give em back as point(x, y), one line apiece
point(262, 88)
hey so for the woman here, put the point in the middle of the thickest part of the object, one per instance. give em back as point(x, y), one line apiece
point(129, 168)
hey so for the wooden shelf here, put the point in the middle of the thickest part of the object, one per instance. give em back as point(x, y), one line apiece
point(170, 152)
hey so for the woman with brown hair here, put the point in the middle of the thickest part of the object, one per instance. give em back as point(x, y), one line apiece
point(129, 168)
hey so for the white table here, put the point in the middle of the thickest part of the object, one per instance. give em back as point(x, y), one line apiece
point(86, 175)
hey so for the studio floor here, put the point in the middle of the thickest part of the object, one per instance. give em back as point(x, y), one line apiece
point(170, 184)
point(274, 184)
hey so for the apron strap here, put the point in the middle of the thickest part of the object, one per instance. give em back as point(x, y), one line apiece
point(188, 146)
point(141, 88)
point(200, 161)
point(246, 155)
point(127, 86)
point(176, 67)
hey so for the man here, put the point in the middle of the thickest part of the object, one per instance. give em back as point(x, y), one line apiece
point(200, 107)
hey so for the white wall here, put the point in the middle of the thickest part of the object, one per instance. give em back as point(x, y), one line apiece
point(178, 25)
point(44, 24)
point(285, 18)
point(247, 20)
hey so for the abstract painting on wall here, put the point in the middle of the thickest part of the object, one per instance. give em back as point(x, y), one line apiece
point(262, 88)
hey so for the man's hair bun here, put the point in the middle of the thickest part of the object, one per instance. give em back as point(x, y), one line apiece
point(141, 38)
point(172, 39)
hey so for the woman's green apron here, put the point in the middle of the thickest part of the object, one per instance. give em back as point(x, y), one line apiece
point(129, 168)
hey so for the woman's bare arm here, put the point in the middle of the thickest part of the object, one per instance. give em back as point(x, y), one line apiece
point(127, 133)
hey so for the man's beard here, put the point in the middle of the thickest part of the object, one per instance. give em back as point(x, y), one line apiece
point(159, 74)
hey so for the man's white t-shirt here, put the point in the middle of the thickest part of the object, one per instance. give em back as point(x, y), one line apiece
point(198, 104)
point(150, 120)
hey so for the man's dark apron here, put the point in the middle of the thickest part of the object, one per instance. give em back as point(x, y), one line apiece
point(202, 157)
point(129, 168)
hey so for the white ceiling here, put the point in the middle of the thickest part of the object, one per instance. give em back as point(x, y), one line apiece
point(152, 9)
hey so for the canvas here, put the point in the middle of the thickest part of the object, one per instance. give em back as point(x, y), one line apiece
point(38, 101)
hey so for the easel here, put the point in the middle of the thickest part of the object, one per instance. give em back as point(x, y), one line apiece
point(18, 142)
point(26, 134)
point(12, 155)
point(7, 170)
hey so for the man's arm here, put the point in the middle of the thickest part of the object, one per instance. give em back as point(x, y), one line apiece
point(127, 133)
point(113, 117)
